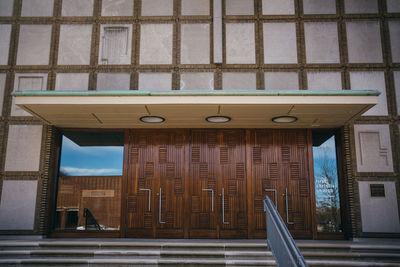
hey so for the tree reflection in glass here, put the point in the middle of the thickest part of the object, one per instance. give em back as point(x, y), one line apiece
point(326, 182)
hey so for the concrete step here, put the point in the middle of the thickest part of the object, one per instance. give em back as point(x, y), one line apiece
point(351, 255)
point(350, 263)
point(136, 252)
point(134, 262)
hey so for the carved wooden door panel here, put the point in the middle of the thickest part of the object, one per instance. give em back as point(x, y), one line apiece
point(155, 183)
point(218, 206)
point(279, 167)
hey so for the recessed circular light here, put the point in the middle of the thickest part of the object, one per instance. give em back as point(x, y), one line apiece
point(284, 119)
point(218, 119)
point(152, 119)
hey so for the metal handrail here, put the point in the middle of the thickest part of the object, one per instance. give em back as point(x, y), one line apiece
point(279, 239)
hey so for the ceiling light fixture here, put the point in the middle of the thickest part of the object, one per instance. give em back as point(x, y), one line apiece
point(151, 119)
point(284, 119)
point(218, 119)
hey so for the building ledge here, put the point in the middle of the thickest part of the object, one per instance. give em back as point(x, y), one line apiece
point(203, 93)
point(181, 109)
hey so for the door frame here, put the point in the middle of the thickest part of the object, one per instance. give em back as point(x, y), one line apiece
point(122, 232)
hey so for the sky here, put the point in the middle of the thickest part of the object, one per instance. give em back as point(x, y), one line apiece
point(90, 160)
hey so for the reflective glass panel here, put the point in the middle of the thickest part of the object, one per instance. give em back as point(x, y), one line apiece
point(326, 182)
point(89, 182)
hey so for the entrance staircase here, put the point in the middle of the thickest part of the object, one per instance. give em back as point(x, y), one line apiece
point(159, 252)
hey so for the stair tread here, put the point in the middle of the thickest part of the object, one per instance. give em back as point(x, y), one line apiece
point(349, 263)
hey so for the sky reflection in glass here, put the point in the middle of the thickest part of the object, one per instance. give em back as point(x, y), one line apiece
point(90, 160)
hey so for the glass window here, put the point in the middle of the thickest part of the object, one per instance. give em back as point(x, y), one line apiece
point(91, 154)
point(326, 182)
point(89, 182)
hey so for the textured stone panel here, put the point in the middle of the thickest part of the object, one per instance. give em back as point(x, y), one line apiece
point(157, 7)
point(280, 46)
point(396, 75)
point(371, 81)
point(77, 8)
point(195, 44)
point(195, 7)
point(6, 8)
point(393, 6)
point(379, 214)
point(113, 81)
point(72, 81)
point(37, 8)
point(156, 44)
point(359, 7)
point(239, 7)
point(17, 206)
point(27, 82)
point(364, 42)
point(319, 6)
point(394, 30)
point(155, 81)
point(324, 80)
point(74, 48)
point(30, 82)
point(373, 148)
point(322, 45)
point(281, 80)
point(115, 44)
point(240, 43)
point(34, 45)
point(117, 8)
point(239, 81)
point(23, 148)
point(278, 7)
point(3, 78)
point(5, 33)
point(197, 81)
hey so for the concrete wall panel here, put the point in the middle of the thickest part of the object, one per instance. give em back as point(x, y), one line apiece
point(17, 207)
point(379, 214)
point(23, 148)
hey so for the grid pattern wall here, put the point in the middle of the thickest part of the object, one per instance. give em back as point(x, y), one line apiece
point(169, 45)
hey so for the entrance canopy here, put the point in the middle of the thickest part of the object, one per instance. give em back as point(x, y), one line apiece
point(247, 109)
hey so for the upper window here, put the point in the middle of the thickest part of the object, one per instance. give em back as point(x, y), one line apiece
point(92, 154)
point(115, 44)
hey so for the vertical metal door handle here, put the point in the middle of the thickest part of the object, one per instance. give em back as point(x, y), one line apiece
point(287, 208)
point(159, 208)
point(212, 197)
point(276, 195)
point(149, 190)
point(223, 208)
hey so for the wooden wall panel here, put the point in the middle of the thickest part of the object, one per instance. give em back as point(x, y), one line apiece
point(157, 161)
point(74, 193)
point(280, 161)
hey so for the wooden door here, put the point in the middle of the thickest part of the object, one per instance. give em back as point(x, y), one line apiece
point(155, 184)
point(218, 206)
point(278, 163)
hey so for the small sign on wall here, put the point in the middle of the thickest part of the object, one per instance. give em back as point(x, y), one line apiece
point(97, 193)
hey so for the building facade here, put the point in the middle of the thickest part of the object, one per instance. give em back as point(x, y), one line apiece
point(175, 118)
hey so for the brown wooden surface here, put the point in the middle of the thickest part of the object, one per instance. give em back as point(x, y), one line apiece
point(242, 162)
point(156, 160)
point(280, 160)
point(105, 209)
point(218, 162)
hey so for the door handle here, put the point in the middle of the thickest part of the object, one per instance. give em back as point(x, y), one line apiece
point(276, 195)
point(287, 207)
point(212, 197)
point(223, 208)
point(160, 208)
point(148, 190)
